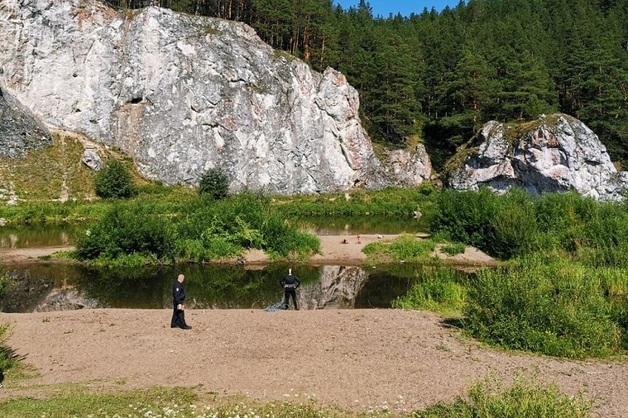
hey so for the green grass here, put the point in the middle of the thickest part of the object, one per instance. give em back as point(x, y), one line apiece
point(49, 173)
point(405, 248)
point(173, 199)
point(441, 290)
point(8, 359)
point(163, 402)
point(550, 306)
point(453, 248)
point(525, 398)
point(156, 402)
point(389, 201)
point(169, 201)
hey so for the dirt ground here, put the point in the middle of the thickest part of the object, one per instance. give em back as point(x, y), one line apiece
point(356, 359)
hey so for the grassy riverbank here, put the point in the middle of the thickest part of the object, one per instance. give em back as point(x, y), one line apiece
point(176, 199)
point(525, 398)
point(167, 224)
point(563, 290)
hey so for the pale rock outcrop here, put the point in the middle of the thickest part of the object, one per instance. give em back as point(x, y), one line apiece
point(556, 153)
point(408, 168)
point(183, 94)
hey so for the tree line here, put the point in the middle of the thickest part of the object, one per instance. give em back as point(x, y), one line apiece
point(439, 76)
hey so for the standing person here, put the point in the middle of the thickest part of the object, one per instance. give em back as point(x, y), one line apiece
point(178, 296)
point(290, 285)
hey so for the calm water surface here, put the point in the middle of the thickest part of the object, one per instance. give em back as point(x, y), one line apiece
point(49, 286)
point(37, 236)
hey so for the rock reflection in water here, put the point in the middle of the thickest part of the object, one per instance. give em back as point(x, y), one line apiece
point(44, 287)
point(36, 236)
point(337, 288)
point(65, 300)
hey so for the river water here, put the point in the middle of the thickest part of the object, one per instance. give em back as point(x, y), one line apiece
point(52, 286)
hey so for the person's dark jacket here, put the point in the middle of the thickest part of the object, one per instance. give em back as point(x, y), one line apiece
point(290, 282)
point(178, 293)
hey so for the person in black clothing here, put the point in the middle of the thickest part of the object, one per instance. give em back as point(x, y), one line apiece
point(290, 285)
point(178, 296)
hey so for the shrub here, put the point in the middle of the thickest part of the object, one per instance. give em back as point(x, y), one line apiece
point(552, 307)
point(215, 183)
point(439, 291)
point(526, 398)
point(517, 224)
point(292, 241)
point(514, 230)
point(127, 229)
point(406, 247)
point(466, 217)
point(113, 181)
point(426, 188)
point(228, 226)
point(8, 358)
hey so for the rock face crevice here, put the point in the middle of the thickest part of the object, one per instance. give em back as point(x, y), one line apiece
point(553, 154)
point(183, 94)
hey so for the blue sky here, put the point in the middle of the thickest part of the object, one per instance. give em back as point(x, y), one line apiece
point(405, 7)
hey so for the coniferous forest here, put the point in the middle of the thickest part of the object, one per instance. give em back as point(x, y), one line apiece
point(438, 77)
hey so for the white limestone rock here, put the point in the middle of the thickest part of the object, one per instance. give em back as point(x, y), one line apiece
point(553, 154)
point(92, 160)
point(183, 94)
point(409, 168)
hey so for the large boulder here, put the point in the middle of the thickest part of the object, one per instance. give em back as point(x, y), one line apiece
point(183, 94)
point(552, 154)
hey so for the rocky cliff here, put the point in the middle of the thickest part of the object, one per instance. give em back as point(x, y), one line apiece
point(556, 153)
point(183, 94)
point(19, 130)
